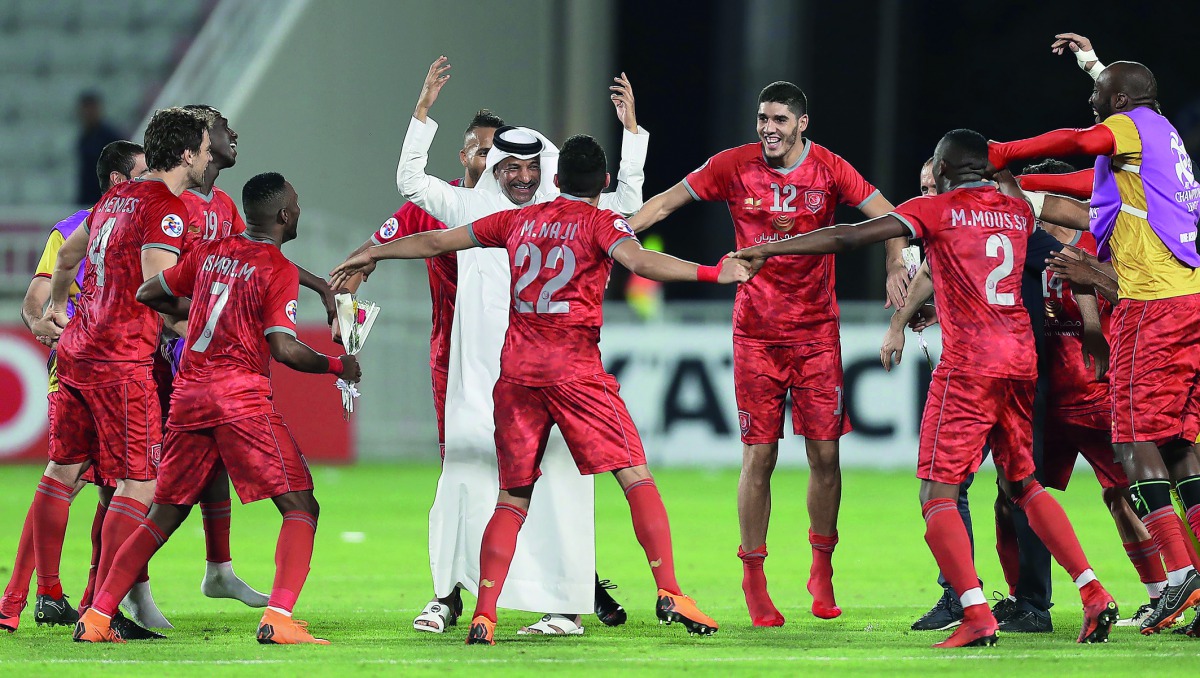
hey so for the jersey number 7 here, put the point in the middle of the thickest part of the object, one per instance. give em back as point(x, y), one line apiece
point(221, 291)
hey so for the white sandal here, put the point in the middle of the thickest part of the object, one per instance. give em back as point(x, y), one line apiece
point(435, 617)
point(552, 625)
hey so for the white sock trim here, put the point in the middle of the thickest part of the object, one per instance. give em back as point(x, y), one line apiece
point(280, 611)
point(1155, 589)
point(1176, 577)
point(973, 597)
point(1086, 578)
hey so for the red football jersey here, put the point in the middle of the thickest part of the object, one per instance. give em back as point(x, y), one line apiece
point(791, 300)
point(561, 260)
point(975, 239)
point(242, 289)
point(111, 334)
point(443, 275)
point(1073, 387)
point(210, 216)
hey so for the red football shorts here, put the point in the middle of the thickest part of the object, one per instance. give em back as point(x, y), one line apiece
point(259, 453)
point(1068, 436)
point(589, 412)
point(1155, 369)
point(764, 374)
point(118, 427)
point(440, 380)
point(963, 413)
point(90, 474)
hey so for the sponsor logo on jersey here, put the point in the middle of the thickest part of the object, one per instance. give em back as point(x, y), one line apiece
point(814, 200)
point(783, 223)
point(623, 226)
point(172, 225)
point(290, 309)
point(752, 204)
point(389, 228)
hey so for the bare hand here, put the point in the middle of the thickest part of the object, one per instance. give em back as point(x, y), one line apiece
point(434, 81)
point(1095, 352)
point(1072, 41)
point(897, 287)
point(925, 318)
point(753, 256)
point(49, 327)
point(892, 349)
point(734, 271)
point(351, 372)
point(354, 265)
point(622, 98)
point(1008, 184)
point(1069, 264)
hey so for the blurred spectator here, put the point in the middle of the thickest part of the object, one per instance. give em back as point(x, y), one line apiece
point(94, 134)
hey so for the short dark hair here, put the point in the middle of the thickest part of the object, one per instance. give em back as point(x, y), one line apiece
point(171, 132)
point(783, 92)
point(582, 167)
point(119, 156)
point(1049, 166)
point(210, 113)
point(966, 147)
point(486, 119)
point(263, 194)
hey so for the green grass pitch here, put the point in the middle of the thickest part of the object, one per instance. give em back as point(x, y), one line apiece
point(365, 588)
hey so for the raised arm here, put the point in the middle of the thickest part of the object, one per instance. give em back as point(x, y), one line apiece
point(666, 268)
point(661, 206)
point(1094, 140)
point(1085, 56)
point(626, 198)
point(1075, 184)
point(416, 246)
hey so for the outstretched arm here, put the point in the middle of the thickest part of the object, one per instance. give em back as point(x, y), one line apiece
point(416, 246)
point(661, 206)
point(897, 273)
point(666, 268)
point(1094, 140)
point(840, 238)
point(1075, 184)
point(324, 290)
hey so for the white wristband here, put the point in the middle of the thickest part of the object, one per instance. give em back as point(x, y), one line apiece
point(1036, 200)
point(1084, 57)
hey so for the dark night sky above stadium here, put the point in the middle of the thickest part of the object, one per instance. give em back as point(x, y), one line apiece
point(981, 65)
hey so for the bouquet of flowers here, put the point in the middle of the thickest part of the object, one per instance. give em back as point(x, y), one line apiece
point(355, 318)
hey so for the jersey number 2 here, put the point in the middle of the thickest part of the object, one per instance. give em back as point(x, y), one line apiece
point(545, 301)
point(998, 245)
point(221, 291)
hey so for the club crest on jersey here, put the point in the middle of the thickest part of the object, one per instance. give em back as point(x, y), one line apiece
point(814, 200)
point(744, 422)
point(624, 227)
point(290, 309)
point(155, 455)
point(172, 225)
point(389, 228)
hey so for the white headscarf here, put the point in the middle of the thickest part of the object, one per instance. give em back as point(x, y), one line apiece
point(522, 135)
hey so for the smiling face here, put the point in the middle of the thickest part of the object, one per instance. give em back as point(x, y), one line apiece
point(197, 163)
point(519, 179)
point(224, 143)
point(779, 131)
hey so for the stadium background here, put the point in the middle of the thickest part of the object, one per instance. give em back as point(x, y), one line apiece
point(322, 90)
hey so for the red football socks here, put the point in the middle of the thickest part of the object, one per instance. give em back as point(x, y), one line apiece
point(754, 585)
point(293, 555)
point(1167, 529)
point(85, 601)
point(1145, 559)
point(120, 521)
point(820, 575)
point(1009, 552)
point(51, 508)
point(17, 590)
point(1193, 517)
point(653, 532)
point(947, 539)
point(216, 531)
point(1051, 525)
point(129, 561)
point(495, 556)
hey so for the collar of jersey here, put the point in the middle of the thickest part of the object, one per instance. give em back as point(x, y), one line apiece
point(206, 197)
point(793, 168)
point(975, 184)
point(568, 196)
point(253, 239)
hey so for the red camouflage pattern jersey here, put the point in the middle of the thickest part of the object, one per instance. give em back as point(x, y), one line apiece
point(210, 216)
point(443, 275)
point(1073, 388)
point(561, 257)
point(111, 333)
point(975, 239)
point(242, 290)
point(791, 300)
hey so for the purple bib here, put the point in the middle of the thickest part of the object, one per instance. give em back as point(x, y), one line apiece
point(66, 227)
point(1172, 193)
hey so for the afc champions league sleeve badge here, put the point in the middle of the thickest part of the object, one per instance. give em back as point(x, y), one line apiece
point(290, 310)
point(172, 225)
point(624, 227)
point(389, 229)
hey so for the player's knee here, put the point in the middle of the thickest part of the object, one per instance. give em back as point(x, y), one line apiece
point(1114, 499)
point(760, 459)
point(168, 517)
point(823, 457)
